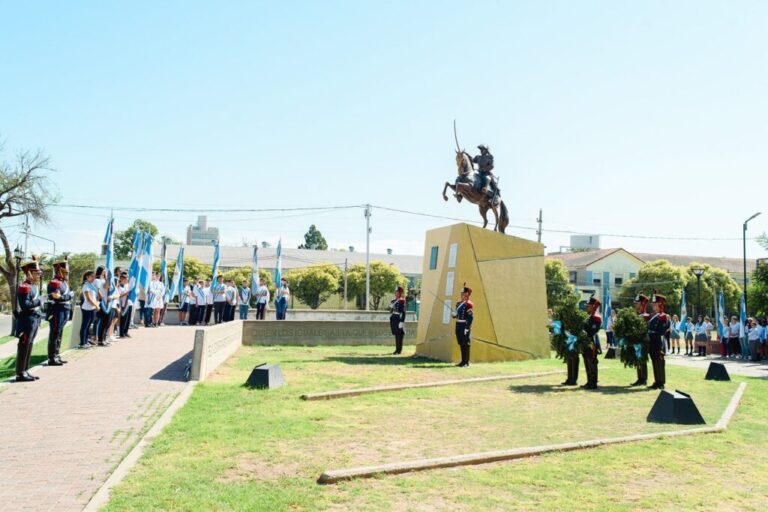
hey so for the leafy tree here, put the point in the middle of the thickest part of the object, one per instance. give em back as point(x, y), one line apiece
point(194, 269)
point(313, 239)
point(314, 284)
point(713, 279)
point(124, 239)
point(25, 191)
point(384, 279)
point(661, 276)
point(559, 290)
point(758, 292)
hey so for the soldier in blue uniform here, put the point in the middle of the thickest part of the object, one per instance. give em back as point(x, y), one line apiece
point(658, 326)
point(641, 302)
point(59, 307)
point(27, 319)
point(397, 319)
point(591, 327)
point(464, 316)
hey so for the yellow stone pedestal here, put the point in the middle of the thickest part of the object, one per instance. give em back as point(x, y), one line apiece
point(506, 275)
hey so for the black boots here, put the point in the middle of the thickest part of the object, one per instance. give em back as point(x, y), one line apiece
point(572, 365)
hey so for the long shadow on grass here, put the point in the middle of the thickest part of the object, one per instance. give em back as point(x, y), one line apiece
point(412, 362)
point(554, 388)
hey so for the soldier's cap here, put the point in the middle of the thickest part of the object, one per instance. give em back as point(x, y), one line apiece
point(61, 264)
point(640, 298)
point(32, 265)
point(399, 289)
point(593, 300)
point(466, 289)
point(658, 299)
point(482, 146)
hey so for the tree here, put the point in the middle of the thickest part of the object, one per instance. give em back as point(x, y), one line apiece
point(558, 287)
point(314, 284)
point(25, 191)
point(79, 264)
point(384, 279)
point(714, 280)
point(124, 239)
point(659, 276)
point(758, 291)
point(194, 269)
point(313, 239)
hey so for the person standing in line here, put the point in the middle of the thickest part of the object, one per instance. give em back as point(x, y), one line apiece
point(262, 299)
point(88, 307)
point(244, 296)
point(281, 302)
point(183, 303)
point(609, 335)
point(208, 302)
point(231, 294)
point(689, 331)
point(753, 339)
point(701, 336)
point(725, 339)
point(189, 291)
point(201, 297)
point(106, 312)
point(763, 337)
point(98, 282)
point(114, 326)
point(126, 308)
point(590, 352)
point(674, 335)
point(219, 299)
point(28, 318)
point(733, 337)
point(396, 319)
point(157, 294)
point(60, 306)
point(464, 316)
point(658, 325)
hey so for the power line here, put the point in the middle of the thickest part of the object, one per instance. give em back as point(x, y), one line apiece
point(201, 210)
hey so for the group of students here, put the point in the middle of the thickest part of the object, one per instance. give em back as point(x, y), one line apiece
point(696, 335)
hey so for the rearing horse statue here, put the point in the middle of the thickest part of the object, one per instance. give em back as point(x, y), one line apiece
point(464, 187)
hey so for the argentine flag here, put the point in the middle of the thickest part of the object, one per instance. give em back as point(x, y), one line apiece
point(145, 263)
point(109, 241)
point(178, 278)
point(164, 270)
point(279, 264)
point(607, 310)
point(255, 271)
point(742, 317)
point(683, 312)
point(215, 269)
point(721, 315)
point(134, 268)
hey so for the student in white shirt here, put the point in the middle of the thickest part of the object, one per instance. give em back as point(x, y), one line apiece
point(244, 299)
point(281, 302)
point(90, 303)
point(208, 301)
point(219, 291)
point(200, 298)
point(183, 302)
point(262, 299)
point(231, 295)
point(157, 298)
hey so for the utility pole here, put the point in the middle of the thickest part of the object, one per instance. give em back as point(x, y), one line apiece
point(539, 220)
point(345, 282)
point(26, 236)
point(367, 257)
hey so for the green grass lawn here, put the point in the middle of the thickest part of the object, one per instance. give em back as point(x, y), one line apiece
point(39, 354)
point(231, 448)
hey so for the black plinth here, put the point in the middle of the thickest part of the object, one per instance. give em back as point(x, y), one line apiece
point(675, 407)
point(610, 353)
point(717, 371)
point(266, 376)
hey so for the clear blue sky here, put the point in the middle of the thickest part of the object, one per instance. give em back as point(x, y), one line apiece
point(644, 118)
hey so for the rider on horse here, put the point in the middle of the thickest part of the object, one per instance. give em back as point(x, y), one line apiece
point(484, 163)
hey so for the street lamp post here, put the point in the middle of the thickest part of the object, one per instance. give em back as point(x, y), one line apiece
point(744, 240)
point(698, 272)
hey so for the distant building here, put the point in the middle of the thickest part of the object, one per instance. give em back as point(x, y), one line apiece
point(202, 234)
point(585, 242)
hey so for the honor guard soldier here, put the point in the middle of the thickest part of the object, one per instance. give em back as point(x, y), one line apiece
point(28, 318)
point(59, 307)
point(641, 304)
point(591, 327)
point(397, 319)
point(658, 326)
point(464, 315)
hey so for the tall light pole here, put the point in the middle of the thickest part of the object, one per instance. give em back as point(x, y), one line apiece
point(367, 257)
point(18, 255)
point(744, 239)
point(698, 272)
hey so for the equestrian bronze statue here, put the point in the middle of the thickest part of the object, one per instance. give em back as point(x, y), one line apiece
point(479, 186)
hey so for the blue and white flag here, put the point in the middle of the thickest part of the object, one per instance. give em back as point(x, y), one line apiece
point(683, 311)
point(607, 310)
point(215, 269)
point(109, 241)
point(135, 267)
point(721, 316)
point(742, 317)
point(178, 279)
point(145, 263)
point(255, 270)
point(279, 264)
point(164, 267)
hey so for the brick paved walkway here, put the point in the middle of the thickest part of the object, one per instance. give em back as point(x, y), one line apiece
point(60, 437)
